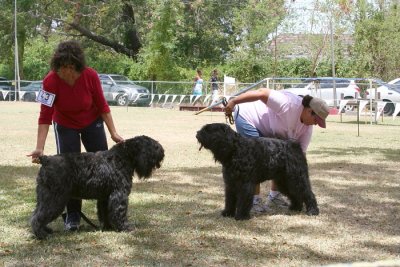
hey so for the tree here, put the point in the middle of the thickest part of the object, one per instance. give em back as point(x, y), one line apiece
point(252, 25)
point(377, 38)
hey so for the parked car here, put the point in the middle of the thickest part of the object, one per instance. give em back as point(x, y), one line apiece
point(30, 91)
point(323, 88)
point(6, 90)
point(120, 90)
point(388, 92)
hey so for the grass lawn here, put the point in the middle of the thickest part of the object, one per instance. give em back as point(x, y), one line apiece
point(176, 212)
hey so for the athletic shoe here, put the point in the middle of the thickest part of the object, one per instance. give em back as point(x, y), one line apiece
point(71, 221)
point(258, 206)
point(278, 201)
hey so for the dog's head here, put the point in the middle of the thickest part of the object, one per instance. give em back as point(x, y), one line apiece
point(219, 138)
point(145, 154)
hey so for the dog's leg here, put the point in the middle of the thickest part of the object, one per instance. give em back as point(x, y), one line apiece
point(288, 186)
point(49, 207)
point(296, 202)
point(230, 196)
point(244, 200)
point(117, 211)
point(311, 203)
point(299, 192)
point(102, 214)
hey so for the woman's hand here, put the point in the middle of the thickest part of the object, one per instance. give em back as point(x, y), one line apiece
point(35, 154)
point(117, 138)
point(229, 108)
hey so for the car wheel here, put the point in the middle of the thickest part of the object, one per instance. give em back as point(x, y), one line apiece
point(29, 97)
point(389, 109)
point(122, 100)
point(348, 107)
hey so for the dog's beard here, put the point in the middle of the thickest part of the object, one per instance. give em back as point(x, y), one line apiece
point(201, 146)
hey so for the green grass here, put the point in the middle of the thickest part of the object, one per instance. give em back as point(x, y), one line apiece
point(177, 211)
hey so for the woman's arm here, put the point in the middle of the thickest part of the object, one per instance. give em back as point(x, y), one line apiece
point(250, 96)
point(42, 132)
point(107, 118)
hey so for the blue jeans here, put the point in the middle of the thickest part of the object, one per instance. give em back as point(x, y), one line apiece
point(244, 128)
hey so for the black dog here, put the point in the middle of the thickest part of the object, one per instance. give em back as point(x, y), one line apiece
point(247, 162)
point(105, 176)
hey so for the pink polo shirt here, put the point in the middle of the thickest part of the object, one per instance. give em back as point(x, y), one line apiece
point(279, 118)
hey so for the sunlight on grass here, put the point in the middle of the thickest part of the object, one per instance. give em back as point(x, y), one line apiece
point(176, 213)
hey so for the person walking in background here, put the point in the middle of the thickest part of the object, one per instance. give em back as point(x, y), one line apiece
point(72, 99)
point(279, 114)
point(214, 85)
point(198, 83)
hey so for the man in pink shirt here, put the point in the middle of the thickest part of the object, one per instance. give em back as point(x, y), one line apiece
point(279, 114)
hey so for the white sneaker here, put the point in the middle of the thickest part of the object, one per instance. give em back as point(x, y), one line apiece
point(278, 201)
point(258, 206)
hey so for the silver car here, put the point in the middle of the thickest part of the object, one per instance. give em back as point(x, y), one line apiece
point(119, 90)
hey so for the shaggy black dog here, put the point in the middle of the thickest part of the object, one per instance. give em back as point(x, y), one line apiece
point(105, 176)
point(247, 162)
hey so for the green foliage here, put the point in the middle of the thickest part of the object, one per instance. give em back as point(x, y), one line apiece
point(37, 57)
point(107, 61)
point(158, 55)
point(176, 37)
point(299, 67)
point(377, 38)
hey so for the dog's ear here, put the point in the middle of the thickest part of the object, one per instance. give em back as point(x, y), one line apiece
point(145, 154)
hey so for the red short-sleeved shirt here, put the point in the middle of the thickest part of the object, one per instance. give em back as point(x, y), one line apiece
point(74, 106)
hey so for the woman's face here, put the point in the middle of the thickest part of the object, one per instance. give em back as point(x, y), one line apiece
point(308, 117)
point(66, 72)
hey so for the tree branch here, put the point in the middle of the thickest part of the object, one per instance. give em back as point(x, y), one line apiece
point(102, 40)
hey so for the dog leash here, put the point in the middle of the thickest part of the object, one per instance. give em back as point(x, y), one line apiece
point(227, 117)
point(86, 219)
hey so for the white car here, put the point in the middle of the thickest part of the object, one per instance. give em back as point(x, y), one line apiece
point(323, 88)
point(389, 92)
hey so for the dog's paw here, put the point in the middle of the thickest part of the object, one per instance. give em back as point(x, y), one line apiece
point(242, 217)
point(41, 234)
point(128, 228)
point(226, 213)
point(312, 211)
point(295, 207)
point(48, 230)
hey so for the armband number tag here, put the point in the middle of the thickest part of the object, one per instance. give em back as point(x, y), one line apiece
point(46, 98)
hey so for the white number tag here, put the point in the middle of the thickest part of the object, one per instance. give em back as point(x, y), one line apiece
point(46, 98)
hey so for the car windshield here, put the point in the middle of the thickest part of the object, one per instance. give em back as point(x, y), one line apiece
point(119, 79)
point(396, 90)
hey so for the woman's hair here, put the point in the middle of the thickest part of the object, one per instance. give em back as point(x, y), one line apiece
point(306, 101)
point(68, 53)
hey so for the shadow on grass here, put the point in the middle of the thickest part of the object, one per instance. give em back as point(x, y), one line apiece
point(177, 219)
point(389, 154)
point(362, 122)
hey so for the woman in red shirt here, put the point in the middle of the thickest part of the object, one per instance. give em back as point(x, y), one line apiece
point(72, 99)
